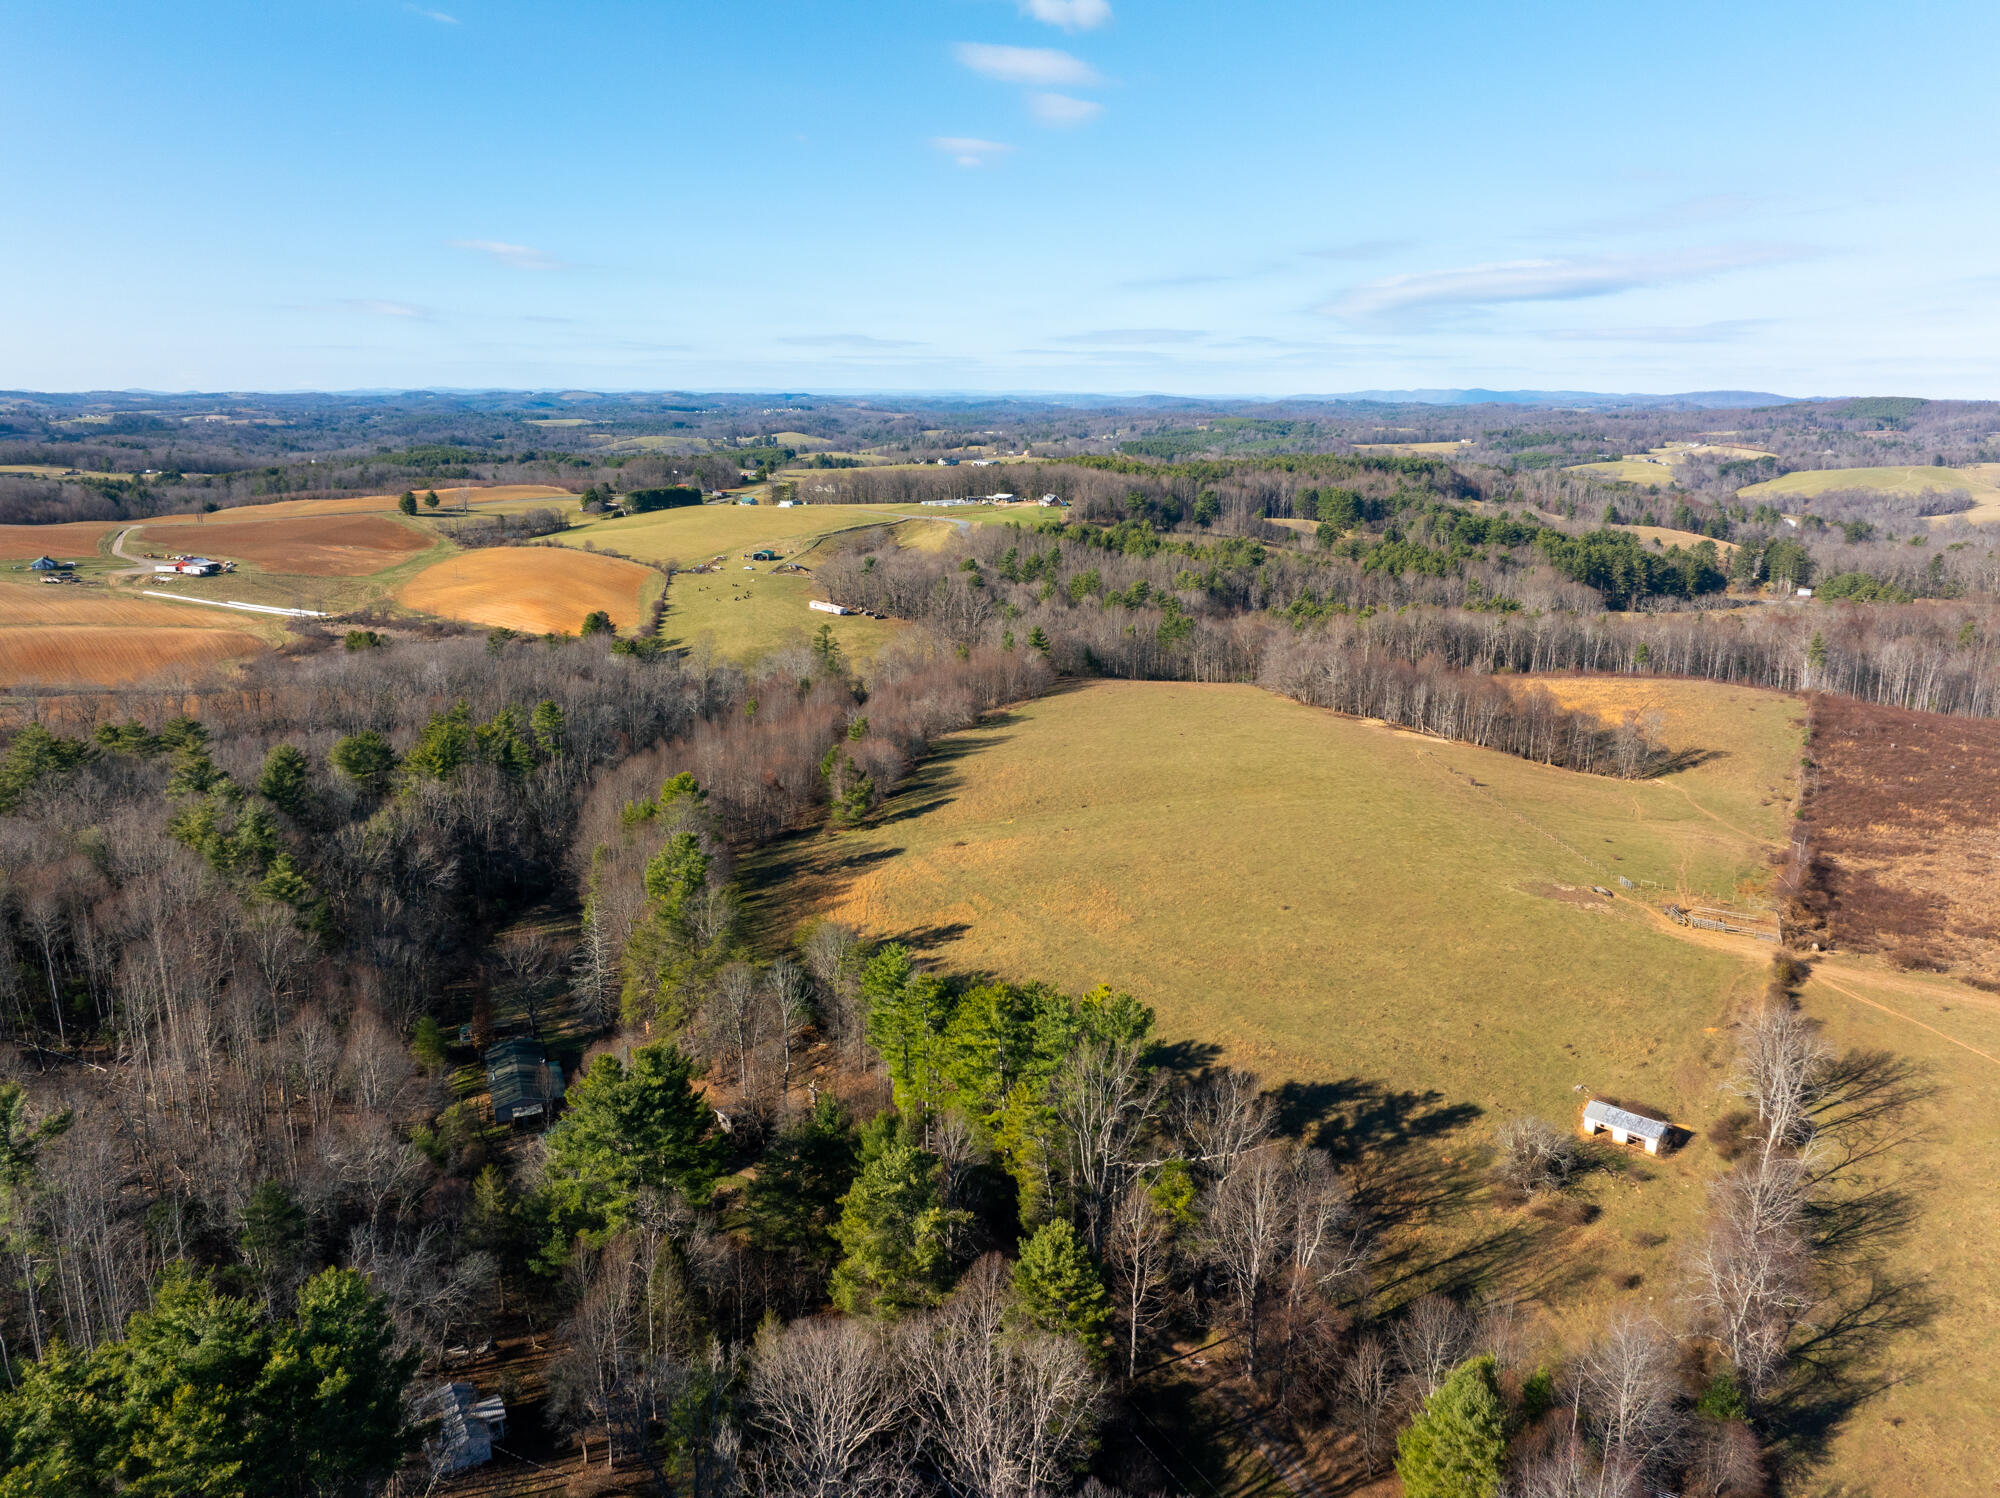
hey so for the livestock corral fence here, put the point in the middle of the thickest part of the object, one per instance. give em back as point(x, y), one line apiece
point(1762, 924)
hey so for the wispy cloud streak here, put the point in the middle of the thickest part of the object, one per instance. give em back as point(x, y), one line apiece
point(519, 256)
point(1556, 279)
point(1038, 67)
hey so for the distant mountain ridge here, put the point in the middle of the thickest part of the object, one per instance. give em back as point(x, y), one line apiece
point(1586, 399)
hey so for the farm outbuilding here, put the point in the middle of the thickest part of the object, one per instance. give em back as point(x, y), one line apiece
point(466, 1428)
point(1650, 1134)
point(45, 564)
point(521, 1079)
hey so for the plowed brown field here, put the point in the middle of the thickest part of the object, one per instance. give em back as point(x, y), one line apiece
point(71, 541)
point(40, 604)
point(539, 589)
point(362, 504)
point(93, 655)
point(304, 545)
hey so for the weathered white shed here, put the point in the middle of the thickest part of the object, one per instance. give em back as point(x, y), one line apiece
point(1625, 1128)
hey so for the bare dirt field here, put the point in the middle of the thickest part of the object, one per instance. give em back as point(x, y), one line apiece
point(71, 541)
point(1905, 817)
point(538, 589)
point(96, 655)
point(306, 545)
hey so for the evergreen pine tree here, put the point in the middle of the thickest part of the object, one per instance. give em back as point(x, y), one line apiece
point(1059, 1289)
point(1454, 1448)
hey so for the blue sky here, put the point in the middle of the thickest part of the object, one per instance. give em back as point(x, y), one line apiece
point(1261, 197)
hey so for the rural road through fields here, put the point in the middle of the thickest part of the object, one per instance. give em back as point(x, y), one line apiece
point(144, 567)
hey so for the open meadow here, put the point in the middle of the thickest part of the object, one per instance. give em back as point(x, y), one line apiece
point(695, 534)
point(1647, 472)
point(1980, 480)
point(744, 615)
point(1403, 935)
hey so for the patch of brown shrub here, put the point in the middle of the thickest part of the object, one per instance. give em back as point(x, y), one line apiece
point(1901, 810)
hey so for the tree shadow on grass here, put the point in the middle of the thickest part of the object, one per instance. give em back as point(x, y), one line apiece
point(800, 874)
point(1843, 1362)
point(1355, 1117)
point(1419, 1181)
point(1856, 1344)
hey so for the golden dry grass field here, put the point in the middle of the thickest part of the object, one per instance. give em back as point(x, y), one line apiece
point(694, 534)
point(536, 589)
point(1667, 536)
point(1414, 449)
point(1630, 470)
point(1404, 931)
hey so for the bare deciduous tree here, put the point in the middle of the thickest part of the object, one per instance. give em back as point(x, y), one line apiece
point(1781, 1070)
point(1368, 1390)
point(1103, 1099)
point(825, 1397)
point(1244, 1235)
point(1139, 1252)
point(1628, 1383)
point(1003, 1415)
point(1219, 1117)
point(1751, 1280)
point(1434, 1336)
point(1534, 1157)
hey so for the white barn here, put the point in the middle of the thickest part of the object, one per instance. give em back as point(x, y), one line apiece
point(1625, 1128)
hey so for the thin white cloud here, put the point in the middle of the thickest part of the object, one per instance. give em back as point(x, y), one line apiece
point(375, 308)
point(519, 256)
point(1062, 109)
point(1042, 67)
point(1547, 280)
point(847, 341)
point(1126, 337)
point(1071, 15)
point(1362, 249)
point(1708, 332)
point(432, 15)
point(969, 150)
point(1706, 210)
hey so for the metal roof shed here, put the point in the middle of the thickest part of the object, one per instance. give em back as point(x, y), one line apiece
point(1624, 1127)
point(520, 1079)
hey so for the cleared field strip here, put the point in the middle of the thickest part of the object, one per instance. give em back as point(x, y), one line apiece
point(537, 589)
